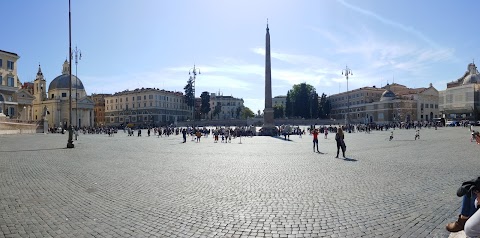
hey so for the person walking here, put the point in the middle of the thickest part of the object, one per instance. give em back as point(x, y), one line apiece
point(315, 140)
point(391, 136)
point(417, 135)
point(184, 134)
point(198, 134)
point(339, 138)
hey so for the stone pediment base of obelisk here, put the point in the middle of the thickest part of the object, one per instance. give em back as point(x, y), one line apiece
point(268, 128)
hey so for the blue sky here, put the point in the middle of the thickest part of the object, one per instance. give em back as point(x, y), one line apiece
point(150, 43)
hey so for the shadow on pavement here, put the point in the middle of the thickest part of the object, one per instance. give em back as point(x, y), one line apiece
point(33, 150)
point(281, 138)
point(350, 159)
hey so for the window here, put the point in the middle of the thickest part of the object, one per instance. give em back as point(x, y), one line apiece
point(53, 96)
point(431, 105)
point(10, 81)
point(139, 98)
point(150, 104)
point(10, 65)
point(1, 79)
point(133, 99)
point(64, 95)
point(426, 105)
point(1, 63)
point(11, 111)
point(120, 99)
point(116, 100)
point(144, 104)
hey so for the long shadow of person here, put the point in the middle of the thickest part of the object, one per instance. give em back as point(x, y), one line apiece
point(350, 159)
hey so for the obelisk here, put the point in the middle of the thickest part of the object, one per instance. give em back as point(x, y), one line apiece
point(268, 128)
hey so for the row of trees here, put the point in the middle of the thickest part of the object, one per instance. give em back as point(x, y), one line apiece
point(242, 112)
point(302, 102)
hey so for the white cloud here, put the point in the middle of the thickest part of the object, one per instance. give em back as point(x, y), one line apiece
point(389, 22)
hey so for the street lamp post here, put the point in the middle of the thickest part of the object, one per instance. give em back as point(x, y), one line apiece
point(193, 71)
point(70, 129)
point(78, 56)
point(347, 72)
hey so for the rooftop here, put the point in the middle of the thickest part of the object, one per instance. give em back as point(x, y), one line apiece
point(146, 90)
point(6, 52)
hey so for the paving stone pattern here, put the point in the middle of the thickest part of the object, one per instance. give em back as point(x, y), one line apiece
point(265, 187)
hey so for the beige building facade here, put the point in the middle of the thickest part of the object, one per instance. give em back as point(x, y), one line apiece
point(279, 101)
point(231, 107)
point(392, 103)
point(461, 99)
point(359, 99)
point(145, 107)
point(55, 100)
point(15, 102)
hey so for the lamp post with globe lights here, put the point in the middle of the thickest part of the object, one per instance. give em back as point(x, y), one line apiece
point(193, 71)
point(78, 56)
point(347, 72)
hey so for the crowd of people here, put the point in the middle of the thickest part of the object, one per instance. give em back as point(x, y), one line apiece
point(468, 220)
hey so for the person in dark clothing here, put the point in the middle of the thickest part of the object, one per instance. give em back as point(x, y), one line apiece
point(184, 133)
point(339, 137)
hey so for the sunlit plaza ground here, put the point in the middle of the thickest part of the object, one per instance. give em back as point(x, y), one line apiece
point(264, 187)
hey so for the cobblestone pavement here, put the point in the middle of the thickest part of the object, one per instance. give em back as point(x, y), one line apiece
point(265, 187)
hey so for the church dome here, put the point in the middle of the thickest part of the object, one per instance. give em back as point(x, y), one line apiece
point(62, 82)
point(472, 78)
point(387, 95)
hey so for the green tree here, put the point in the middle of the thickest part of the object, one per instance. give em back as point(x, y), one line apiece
point(302, 96)
point(325, 107)
point(205, 107)
point(238, 111)
point(189, 97)
point(288, 105)
point(217, 110)
point(278, 111)
point(314, 106)
point(246, 113)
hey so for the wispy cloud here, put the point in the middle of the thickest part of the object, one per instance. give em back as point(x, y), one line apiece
point(389, 22)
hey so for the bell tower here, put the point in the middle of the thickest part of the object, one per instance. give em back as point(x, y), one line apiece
point(66, 67)
point(40, 86)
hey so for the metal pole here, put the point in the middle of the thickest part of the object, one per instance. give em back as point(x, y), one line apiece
point(195, 71)
point(347, 72)
point(76, 87)
point(70, 132)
